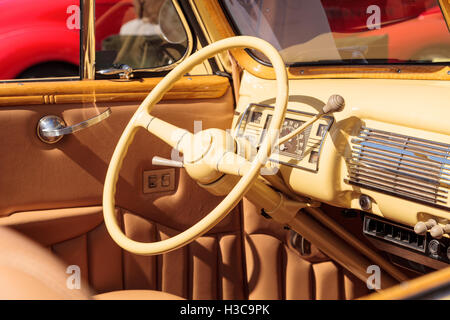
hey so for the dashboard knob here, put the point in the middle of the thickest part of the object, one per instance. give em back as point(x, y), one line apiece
point(447, 228)
point(434, 247)
point(437, 232)
point(336, 103)
point(421, 227)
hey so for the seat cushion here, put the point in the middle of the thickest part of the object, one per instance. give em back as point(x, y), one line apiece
point(29, 272)
point(137, 295)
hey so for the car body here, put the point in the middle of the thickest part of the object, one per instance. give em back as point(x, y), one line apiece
point(48, 32)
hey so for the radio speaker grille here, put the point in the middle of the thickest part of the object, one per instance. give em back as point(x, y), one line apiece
point(403, 166)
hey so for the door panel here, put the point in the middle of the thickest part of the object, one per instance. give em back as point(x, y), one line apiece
point(70, 173)
point(53, 193)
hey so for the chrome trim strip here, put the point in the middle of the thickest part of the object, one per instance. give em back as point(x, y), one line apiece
point(379, 172)
point(412, 138)
point(395, 170)
point(397, 195)
point(396, 185)
point(367, 134)
point(402, 166)
point(402, 157)
point(399, 147)
point(435, 172)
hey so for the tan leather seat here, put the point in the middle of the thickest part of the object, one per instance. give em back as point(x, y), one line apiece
point(29, 271)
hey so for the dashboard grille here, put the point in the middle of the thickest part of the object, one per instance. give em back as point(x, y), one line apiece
point(394, 233)
point(403, 166)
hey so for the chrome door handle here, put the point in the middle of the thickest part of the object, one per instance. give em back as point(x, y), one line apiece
point(124, 71)
point(51, 129)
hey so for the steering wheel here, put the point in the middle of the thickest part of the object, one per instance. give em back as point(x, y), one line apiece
point(207, 155)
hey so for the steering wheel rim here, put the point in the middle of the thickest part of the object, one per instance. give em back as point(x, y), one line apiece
point(142, 118)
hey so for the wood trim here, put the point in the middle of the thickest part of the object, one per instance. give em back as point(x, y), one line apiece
point(413, 287)
point(88, 40)
point(31, 93)
point(445, 7)
point(219, 27)
point(415, 72)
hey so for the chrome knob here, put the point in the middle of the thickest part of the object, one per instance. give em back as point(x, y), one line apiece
point(50, 123)
point(434, 247)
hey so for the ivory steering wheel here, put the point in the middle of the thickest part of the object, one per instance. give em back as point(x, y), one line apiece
point(204, 153)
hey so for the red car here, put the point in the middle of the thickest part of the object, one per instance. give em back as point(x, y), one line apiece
point(429, 41)
point(42, 38)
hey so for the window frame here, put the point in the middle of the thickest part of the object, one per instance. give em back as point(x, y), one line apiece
point(88, 62)
point(87, 49)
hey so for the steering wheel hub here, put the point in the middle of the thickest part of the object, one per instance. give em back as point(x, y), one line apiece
point(198, 146)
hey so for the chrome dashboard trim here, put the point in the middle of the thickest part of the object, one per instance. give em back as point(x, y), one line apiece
point(330, 119)
point(403, 166)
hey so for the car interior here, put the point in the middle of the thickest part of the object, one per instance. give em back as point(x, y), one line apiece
point(240, 150)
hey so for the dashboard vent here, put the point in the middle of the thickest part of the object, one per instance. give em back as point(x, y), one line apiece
point(400, 235)
point(403, 166)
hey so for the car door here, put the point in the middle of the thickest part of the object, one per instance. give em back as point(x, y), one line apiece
point(52, 192)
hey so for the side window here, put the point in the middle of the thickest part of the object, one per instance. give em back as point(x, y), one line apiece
point(144, 35)
point(39, 39)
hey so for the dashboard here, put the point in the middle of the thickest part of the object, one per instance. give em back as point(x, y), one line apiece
point(386, 155)
point(302, 151)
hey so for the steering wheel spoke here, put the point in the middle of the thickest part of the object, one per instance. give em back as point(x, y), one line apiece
point(233, 164)
point(170, 134)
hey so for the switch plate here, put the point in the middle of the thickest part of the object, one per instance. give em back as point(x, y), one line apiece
point(159, 180)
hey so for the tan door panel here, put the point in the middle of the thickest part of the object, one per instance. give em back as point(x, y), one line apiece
point(36, 176)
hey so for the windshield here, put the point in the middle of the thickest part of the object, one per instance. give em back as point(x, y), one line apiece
point(346, 31)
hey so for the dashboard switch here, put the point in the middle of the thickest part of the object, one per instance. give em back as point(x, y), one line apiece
point(365, 202)
point(447, 229)
point(434, 247)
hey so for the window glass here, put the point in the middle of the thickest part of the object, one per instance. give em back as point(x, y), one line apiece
point(39, 38)
point(142, 34)
point(346, 31)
